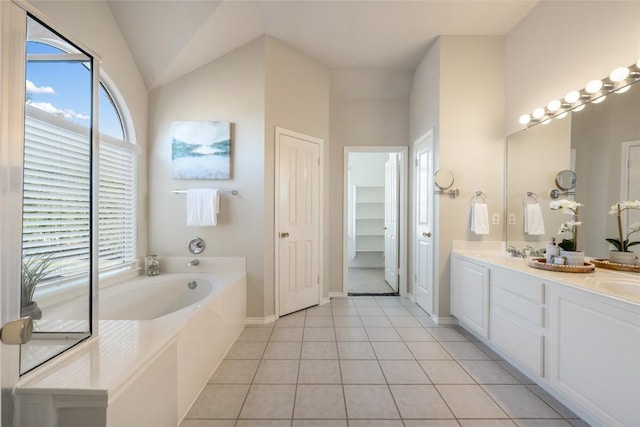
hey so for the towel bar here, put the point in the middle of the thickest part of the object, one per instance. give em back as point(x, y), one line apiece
point(232, 192)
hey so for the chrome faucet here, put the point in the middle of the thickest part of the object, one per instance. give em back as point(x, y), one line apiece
point(193, 263)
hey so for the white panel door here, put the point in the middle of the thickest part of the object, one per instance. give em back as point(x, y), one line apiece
point(391, 221)
point(424, 222)
point(297, 227)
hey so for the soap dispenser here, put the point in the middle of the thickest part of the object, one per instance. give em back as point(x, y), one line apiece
point(552, 251)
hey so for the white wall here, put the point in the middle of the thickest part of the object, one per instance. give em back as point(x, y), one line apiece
point(467, 110)
point(92, 24)
point(561, 45)
point(368, 108)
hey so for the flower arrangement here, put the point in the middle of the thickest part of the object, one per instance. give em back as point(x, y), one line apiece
point(621, 243)
point(568, 207)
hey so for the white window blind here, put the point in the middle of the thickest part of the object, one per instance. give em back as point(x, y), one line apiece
point(57, 196)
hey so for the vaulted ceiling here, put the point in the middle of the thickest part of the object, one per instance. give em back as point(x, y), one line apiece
point(169, 38)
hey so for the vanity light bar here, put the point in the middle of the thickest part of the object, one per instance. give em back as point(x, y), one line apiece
point(595, 91)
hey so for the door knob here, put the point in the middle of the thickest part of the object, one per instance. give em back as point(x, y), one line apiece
point(426, 234)
point(284, 235)
point(17, 331)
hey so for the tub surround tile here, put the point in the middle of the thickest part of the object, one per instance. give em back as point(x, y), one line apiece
point(269, 402)
point(219, 401)
point(319, 401)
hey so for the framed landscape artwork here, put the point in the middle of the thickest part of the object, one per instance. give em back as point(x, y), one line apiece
point(201, 150)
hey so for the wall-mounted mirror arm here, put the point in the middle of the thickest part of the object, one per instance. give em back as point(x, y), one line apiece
point(443, 179)
point(566, 181)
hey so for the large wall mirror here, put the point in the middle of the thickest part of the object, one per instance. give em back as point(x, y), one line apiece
point(601, 144)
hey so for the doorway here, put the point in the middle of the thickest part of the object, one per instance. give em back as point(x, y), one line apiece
point(374, 261)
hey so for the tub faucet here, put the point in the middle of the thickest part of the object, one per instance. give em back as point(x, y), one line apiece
point(193, 263)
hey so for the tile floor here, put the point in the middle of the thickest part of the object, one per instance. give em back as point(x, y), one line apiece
point(369, 362)
point(368, 281)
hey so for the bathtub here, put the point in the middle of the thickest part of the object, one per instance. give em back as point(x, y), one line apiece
point(159, 343)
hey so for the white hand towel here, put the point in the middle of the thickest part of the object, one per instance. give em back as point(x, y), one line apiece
point(203, 205)
point(479, 218)
point(533, 221)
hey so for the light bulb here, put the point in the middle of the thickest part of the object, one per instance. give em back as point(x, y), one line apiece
point(593, 86)
point(546, 122)
point(524, 119)
point(538, 113)
point(562, 116)
point(599, 100)
point(554, 105)
point(619, 74)
point(572, 96)
point(579, 108)
point(623, 89)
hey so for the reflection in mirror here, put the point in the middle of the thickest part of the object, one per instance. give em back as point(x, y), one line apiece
point(597, 144)
point(566, 180)
point(443, 178)
point(56, 221)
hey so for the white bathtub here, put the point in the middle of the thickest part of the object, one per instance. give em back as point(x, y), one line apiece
point(159, 342)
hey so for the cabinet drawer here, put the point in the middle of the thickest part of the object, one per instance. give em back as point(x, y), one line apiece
point(521, 342)
point(525, 308)
point(518, 283)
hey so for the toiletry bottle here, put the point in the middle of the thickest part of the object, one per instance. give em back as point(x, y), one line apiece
point(552, 251)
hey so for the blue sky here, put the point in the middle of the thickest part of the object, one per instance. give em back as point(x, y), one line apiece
point(64, 88)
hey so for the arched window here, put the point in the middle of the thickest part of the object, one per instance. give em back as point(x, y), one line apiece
point(56, 115)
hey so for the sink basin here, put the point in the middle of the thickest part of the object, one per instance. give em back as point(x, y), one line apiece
point(627, 288)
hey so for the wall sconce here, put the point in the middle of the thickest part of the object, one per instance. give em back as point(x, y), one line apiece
point(443, 178)
point(595, 92)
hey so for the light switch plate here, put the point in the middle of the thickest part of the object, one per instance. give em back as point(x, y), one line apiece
point(512, 219)
point(495, 219)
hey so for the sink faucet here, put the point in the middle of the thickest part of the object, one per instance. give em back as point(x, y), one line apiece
point(193, 263)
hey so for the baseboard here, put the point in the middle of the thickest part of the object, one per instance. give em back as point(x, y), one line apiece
point(336, 295)
point(261, 320)
point(326, 300)
point(446, 321)
point(410, 297)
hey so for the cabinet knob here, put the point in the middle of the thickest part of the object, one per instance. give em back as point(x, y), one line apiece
point(284, 235)
point(426, 234)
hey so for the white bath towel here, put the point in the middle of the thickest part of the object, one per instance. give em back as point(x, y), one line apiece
point(203, 205)
point(479, 218)
point(533, 221)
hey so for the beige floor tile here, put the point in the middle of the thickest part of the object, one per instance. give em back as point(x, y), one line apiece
point(277, 372)
point(319, 423)
point(219, 401)
point(446, 372)
point(361, 372)
point(431, 423)
point(552, 401)
point(208, 423)
point(487, 372)
point(388, 302)
point(319, 350)
point(319, 372)
point(263, 423)
point(404, 322)
point(365, 302)
point(520, 402)
point(425, 321)
point(246, 350)
point(376, 322)
point(355, 350)
point(464, 350)
point(370, 311)
point(470, 401)
point(344, 311)
point(403, 372)
point(428, 351)
point(370, 402)
point(283, 350)
point(255, 334)
point(346, 322)
point(487, 423)
point(318, 322)
point(542, 423)
point(235, 372)
point(515, 372)
point(351, 334)
point(419, 401)
point(392, 351)
point(319, 310)
point(446, 334)
point(395, 311)
point(414, 334)
point(319, 334)
point(269, 402)
point(290, 322)
point(382, 334)
point(287, 334)
point(375, 423)
point(319, 401)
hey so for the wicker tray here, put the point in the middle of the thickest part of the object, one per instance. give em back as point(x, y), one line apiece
point(541, 263)
point(605, 263)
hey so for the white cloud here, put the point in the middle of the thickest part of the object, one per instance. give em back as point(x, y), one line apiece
point(32, 88)
point(67, 114)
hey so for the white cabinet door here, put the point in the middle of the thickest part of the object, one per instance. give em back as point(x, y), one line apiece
point(470, 295)
point(595, 363)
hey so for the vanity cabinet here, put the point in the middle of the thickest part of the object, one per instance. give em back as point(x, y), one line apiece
point(595, 362)
point(470, 295)
point(517, 317)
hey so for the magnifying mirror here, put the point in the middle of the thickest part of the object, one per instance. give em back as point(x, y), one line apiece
point(443, 179)
point(566, 181)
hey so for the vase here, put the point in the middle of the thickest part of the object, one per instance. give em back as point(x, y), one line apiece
point(619, 257)
point(31, 310)
point(573, 257)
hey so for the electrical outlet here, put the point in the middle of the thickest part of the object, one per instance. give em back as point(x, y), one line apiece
point(512, 219)
point(495, 219)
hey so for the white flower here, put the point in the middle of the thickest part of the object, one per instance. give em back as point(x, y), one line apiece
point(634, 227)
point(568, 226)
point(624, 205)
point(566, 206)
